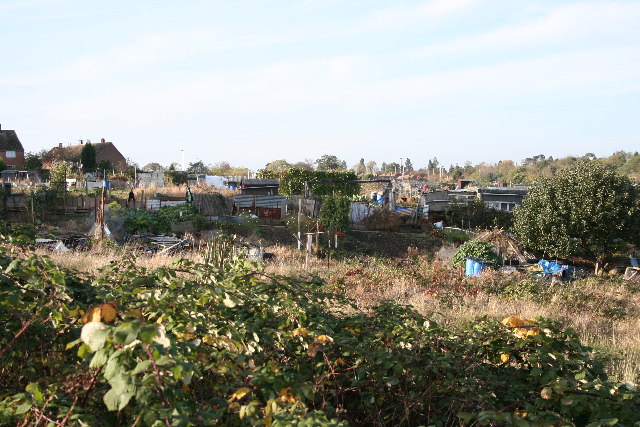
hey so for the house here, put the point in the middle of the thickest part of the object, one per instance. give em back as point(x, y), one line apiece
point(502, 198)
point(266, 187)
point(11, 150)
point(105, 151)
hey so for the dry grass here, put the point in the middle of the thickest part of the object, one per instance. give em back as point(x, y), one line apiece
point(371, 280)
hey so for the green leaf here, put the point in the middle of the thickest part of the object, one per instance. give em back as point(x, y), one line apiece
point(164, 360)
point(120, 382)
point(34, 389)
point(115, 400)
point(73, 343)
point(23, 408)
point(148, 333)
point(125, 333)
point(112, 368)
point(99, 358)
point(141, 367)
point(112, 400)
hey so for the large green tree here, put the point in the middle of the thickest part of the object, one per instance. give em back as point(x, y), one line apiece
point(587, 210)
point(330, 162)
point(88, 157)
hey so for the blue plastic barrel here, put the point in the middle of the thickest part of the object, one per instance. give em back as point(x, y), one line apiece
point(106, 184)
point(478, 267)
point(232, 187)
point(469, 267)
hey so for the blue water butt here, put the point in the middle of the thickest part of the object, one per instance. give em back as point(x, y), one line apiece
point(478, 267)
point(469, 267)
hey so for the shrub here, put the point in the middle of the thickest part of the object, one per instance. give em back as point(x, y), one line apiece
point(221, 342)
point(476, 249)
point(141, 221)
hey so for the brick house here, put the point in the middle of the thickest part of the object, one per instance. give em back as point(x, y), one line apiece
point(11, 150)
point(104, 151)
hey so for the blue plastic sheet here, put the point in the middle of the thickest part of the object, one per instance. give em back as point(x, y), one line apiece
point(554, 267)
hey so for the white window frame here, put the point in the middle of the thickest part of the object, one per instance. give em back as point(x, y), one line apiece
point(10, 154)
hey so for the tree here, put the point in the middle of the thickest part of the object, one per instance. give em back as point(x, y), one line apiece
point(372, 167)
point(408, 167)
point(329, 162)
point(154, 167)
point(88, 157)
point(432, 165)
point(278, 165)
point(392, 167)
point(33, 161)
point(383, 167)
point(307, 164)
point(222, 168)
point(197, 167)
point(3, 165)
point(587, 210)
point(60, 172)
point(334, 213)
point(104, 165)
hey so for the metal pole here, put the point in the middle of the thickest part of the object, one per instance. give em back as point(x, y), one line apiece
point(299, 213)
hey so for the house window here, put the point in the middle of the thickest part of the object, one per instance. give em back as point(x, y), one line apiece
point(11, 154)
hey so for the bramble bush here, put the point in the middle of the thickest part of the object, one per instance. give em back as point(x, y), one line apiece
point(476, 249)
point(141, 221)
point(222, 343)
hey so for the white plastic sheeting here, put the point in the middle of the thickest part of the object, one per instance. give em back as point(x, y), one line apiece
point(216, 181)
point(360, 211)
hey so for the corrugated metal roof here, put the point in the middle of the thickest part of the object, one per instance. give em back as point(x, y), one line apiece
point(249, 201)
point(250, 182)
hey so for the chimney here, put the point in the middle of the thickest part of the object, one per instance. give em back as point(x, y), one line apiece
point(101, 140)
point(80, 141)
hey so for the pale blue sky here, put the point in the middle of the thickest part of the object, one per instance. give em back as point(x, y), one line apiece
point(254, 81)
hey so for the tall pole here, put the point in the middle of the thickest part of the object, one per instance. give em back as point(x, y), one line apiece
point(182, 152)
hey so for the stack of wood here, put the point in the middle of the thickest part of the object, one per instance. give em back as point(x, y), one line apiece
point(506, 246)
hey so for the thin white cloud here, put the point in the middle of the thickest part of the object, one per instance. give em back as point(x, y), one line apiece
point(579, 23)
point(400, 16)
point(342, 86)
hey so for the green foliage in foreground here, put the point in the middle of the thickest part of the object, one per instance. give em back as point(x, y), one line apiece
point(221, 343)
point(476, 249)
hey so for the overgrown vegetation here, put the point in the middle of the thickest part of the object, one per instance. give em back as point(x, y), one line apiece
point(477, 215)
point(142, 221)
point(334, 213)
point(292, 182)
point(238, 346)
point(476, 249)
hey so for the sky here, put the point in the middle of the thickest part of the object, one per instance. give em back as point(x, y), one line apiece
point(249, 82)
